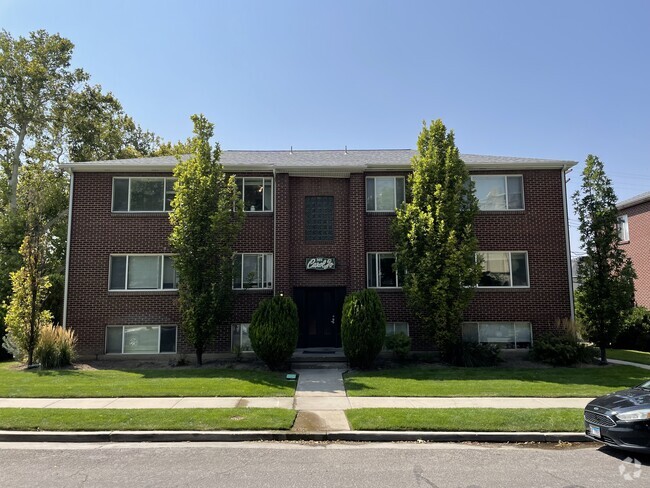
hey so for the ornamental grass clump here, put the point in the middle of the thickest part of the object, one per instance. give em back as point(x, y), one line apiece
point(363, 328)
point(56, 347)
point(274, 331)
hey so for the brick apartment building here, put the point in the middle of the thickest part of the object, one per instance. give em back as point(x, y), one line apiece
point(634, 231)
point(316, 228)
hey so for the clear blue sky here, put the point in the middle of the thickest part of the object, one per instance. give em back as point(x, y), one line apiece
point(547, 79)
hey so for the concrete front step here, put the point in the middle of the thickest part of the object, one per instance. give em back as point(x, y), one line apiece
point(319, 364)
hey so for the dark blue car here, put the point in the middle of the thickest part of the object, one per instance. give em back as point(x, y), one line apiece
point(621, 419)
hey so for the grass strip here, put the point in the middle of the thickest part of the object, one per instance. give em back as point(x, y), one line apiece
point(494, 382)
point(176, 382)
point(640, 357)
point(468, 419)
point(198, 419)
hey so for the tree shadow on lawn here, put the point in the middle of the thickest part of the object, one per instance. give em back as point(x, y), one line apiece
point(258, 377)
point(612, 376)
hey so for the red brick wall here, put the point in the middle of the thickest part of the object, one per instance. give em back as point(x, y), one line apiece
point(96, 233)
point(638, 249)
point(539, 229)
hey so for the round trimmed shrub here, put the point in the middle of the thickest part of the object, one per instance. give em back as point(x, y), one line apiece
point(363, 328)
point(274, 331)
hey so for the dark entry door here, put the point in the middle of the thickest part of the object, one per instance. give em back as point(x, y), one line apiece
point(319, 310)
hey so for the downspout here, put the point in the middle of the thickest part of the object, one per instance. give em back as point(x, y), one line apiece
point(275, 233)
point(67, 253)
point(568, 240)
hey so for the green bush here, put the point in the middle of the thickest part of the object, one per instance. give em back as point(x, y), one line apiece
point(56, 347)
point(636, 331)
point(562, 350)
point(472, 354)
point(399, 344)
point(363, 328)
point(274, 331)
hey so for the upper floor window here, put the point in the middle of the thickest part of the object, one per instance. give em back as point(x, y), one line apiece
point(257, 193)
point(384, 193)
point(381, 272)
point(504, 269)
point(143, 194)
point(623, 228)
point(499, 192)
point(252, 271)
point(142, 272)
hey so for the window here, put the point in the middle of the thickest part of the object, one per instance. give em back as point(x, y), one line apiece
point(504, 269)
point(253, 271)
point(509, 335)
point(623, 229)
point(384, 193)
point(393, 328)
point(141, 339)
point(142, 272)
point(143, 194)
point(257, 193)
point(499, 192)
point(381, 271)
point(319, 218)
point(240, 337)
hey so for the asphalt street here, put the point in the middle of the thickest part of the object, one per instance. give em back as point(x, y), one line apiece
point(317, 465)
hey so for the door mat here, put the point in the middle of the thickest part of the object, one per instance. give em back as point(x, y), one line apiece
point(318, 351)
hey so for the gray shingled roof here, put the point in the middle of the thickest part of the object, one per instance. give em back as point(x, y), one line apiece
point(309, 160)
point(636, 200)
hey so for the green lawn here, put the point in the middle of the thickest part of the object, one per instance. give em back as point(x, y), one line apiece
point(494, 382)
point(468, 419)
point(141, 383)
point(146, 419)
point(629, 355)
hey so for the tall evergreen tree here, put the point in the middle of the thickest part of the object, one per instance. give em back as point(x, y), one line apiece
point(435, 240)
point(606, 292)
point(206, 218)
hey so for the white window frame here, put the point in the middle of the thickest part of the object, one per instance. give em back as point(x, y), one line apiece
point(392, 326)
point(264, 179)
point(623, 228)
point(123, 327)
point(394, 178)
point(239, 327)
point(264, 256)
point(510, 253)
point(126, 273)
point(505, 322)
point(378, 273)
point(166, 183)
point(505, 178)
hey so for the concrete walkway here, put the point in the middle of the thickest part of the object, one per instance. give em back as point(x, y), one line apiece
point(628, 363)
point(321, 401)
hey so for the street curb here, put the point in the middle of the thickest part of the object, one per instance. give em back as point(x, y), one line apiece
point(252, 436)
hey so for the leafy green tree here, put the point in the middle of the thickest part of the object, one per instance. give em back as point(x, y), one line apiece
point(206, 218)
point(606, 292)
point(48, 115)
point(434, 236)
point(35, 82)
point(27, 312)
